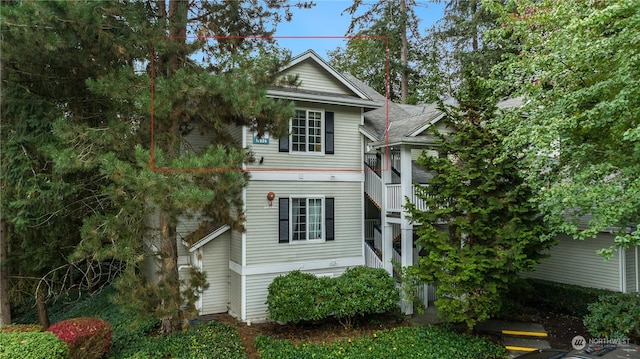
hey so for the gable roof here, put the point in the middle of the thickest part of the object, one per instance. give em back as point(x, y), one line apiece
point(404, 123)
point(355, 96)
point(208, 238)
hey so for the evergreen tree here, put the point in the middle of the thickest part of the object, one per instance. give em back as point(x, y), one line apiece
point(98, 111)
point(386, 23)
point(481, 227)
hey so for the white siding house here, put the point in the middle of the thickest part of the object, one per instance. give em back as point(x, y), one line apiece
point(330, 196)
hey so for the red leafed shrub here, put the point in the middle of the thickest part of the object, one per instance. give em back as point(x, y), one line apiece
point(86, 337)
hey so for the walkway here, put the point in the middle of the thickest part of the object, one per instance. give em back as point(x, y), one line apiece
point(518, 337)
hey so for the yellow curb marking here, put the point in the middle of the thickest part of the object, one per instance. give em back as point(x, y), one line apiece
point(520, 349)
point(528, 334)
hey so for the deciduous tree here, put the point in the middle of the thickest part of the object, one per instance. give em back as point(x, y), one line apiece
point(578, 132)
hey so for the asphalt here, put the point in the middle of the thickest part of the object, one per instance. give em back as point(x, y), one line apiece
point(519, 337)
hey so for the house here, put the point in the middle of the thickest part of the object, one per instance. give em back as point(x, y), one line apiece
point(328, 197)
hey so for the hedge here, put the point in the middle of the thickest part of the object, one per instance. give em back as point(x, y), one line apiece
point(360, 291)
point(562, 298)
point(32, 345)
point(407, 342)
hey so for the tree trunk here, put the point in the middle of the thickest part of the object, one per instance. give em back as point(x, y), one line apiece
point(41, 305)
point(169, 279)
point(5, 308)
point(404, 50)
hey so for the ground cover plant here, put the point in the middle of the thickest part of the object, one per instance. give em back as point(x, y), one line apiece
point(405, 342)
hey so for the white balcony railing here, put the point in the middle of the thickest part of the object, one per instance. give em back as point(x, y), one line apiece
point(371, 259)
point(373, 186)
point(395, 199)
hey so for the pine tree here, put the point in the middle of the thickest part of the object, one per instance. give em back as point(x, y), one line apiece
point(95, 110)
point(481, 228)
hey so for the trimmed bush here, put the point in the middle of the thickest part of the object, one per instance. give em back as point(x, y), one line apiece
point(299, 297)
point(21, 328)
point(428, 342)
point(615, 316)
point(562, 298)
point(360, 291)
point(32, 345)
point(86, 337)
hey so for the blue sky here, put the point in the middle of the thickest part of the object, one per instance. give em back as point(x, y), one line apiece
point(325, 20)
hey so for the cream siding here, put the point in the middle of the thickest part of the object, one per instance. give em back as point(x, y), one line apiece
point(235, 294)
point(347, 145)
point(236, 133)
point(313, 77)
point(576, 262)
point(258, 290)
point(262, 222)
point(215, 263)
point(236, 247)
point(631, 271)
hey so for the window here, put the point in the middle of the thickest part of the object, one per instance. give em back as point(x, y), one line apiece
point(306, 131)
point(311, 132)
point(306, 218)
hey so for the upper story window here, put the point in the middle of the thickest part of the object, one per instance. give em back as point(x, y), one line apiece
point(311, 132)
point(306, 131)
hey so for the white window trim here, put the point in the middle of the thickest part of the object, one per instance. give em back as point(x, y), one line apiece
point(306, 152)
point(322, 220)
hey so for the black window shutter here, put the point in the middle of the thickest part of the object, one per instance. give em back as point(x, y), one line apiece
point(283, 208)
point(284, 144)
point(329, 220)
point(328, 133)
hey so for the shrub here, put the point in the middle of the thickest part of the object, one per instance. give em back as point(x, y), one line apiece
point(22, 328)
point(32, 345)
point(86, 337)
point(407, 342)
point(299, 296)
point(360, 291)
point(563, 298)
point(615, 316)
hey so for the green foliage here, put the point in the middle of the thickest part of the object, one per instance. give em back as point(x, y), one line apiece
point(298, 296)
point(562, 298)
point(32, 345)
point(208, 340)
point(481, 227)
point(86, 337)
point(21, 328)
point(578, 71)
point(408, 342)
point(615, 316)
point(370, 57)
point(360, 291)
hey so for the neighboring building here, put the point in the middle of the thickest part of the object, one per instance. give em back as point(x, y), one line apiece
point(330, 196)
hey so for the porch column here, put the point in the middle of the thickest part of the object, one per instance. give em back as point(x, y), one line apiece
point(387, 229)
point(405, 225)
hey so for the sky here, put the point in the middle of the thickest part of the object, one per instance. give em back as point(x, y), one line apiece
point(324, 20)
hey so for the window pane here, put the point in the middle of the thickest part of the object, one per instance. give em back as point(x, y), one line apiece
point(299, 131)
point(299, 217)
point(315, 218)
point(315, 131)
